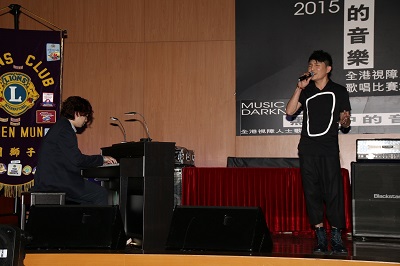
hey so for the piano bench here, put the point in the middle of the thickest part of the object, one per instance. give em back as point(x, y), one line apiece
point(38, 198)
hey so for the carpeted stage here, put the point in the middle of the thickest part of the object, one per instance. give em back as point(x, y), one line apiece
point(184, 260)
point(288, 250)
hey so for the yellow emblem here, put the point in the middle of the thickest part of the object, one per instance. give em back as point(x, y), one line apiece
point(17, 93)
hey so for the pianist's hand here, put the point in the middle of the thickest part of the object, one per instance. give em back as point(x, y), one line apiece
point(109, 160)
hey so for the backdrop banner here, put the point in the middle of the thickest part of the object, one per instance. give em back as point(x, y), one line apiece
point(30, 95)
point(274, 40)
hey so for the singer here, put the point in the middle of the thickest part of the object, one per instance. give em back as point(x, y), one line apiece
point(60, 160)
point(326, 107)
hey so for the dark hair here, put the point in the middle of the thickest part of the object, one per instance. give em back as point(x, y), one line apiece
point(322, 56)
point(76, 104)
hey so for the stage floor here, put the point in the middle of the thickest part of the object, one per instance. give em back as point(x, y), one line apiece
point(288, 249)
point(368, 249)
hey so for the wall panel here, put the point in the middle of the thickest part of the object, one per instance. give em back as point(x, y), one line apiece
point(218, 104)
point(217, 20)
point(189, 20)
point(110, 76)
point(159, 23)
point(101, 20)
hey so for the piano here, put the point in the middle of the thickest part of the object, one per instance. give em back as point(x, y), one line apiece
point(144, 181)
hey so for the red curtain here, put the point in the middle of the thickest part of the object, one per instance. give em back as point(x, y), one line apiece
point(278, 191)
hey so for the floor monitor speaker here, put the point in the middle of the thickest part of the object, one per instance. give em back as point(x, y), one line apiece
point(219, 229)
point(75, 227)
point(376, 199)
point(12, 246)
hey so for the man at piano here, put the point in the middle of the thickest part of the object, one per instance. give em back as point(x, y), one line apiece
point(60, 160)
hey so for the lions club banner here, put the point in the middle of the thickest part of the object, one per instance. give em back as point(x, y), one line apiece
point(30, 88)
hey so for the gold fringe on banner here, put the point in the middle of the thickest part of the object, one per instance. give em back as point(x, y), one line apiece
point(12, 190)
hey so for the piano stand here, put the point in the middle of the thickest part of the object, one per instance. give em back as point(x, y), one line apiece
point(144, 180)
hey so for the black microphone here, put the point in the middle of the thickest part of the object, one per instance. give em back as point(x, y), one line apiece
point(144, 123)
point(306, 76)
point(121, 127)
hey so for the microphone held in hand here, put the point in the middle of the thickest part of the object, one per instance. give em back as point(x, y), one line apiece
point(306, 76)
point(144, 123)
point(120, 126)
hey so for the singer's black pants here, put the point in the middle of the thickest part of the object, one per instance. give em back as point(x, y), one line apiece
point(323, 189)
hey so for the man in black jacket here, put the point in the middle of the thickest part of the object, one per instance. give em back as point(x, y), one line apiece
point(60, 160)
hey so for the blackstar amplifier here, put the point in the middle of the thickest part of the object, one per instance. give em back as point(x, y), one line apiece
point(387, 150)
point(375, 199)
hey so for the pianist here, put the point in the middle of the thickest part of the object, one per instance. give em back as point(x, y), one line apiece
point(60, 160)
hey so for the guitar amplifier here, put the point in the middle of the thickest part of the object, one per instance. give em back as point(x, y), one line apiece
point(386, 150)
point(375, 199)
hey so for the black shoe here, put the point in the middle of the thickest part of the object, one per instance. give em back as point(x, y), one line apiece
point(322, 242)
point(337, 243)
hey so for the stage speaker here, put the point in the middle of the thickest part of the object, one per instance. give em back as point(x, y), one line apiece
point(75, 227)
point(376, 199)
point(12, 246)
point(219, 229)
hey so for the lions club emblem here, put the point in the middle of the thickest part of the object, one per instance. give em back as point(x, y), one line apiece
point(17, 93)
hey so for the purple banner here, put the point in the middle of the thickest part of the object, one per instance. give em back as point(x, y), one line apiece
point(30, 95)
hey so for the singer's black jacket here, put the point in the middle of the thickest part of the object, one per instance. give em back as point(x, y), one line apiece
point(60, 161)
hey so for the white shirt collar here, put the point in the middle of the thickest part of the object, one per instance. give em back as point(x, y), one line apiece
point(73, 127)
